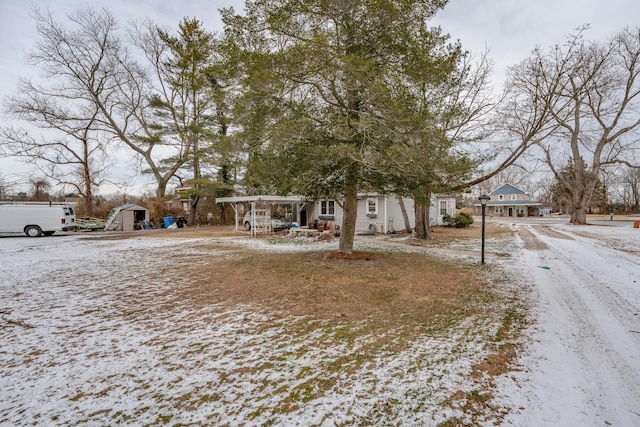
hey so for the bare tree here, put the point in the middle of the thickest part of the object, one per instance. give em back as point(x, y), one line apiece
point(89, 65)
point(71, 154)
point(592, 91)
point(463, 107)
point(39, 189)
point(8, 185)
point(629, 179)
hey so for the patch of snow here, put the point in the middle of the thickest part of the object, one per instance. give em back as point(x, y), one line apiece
point(87, 338)
point(582, 363)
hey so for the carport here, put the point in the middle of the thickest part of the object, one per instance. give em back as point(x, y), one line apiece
point(297, 205)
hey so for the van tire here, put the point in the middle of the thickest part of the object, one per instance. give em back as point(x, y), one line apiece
point(33, 231)
point(247, 226)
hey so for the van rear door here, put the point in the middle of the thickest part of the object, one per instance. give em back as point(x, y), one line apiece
point(69, 220)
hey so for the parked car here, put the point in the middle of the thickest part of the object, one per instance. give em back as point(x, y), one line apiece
point(36, 220)
point(278, 222)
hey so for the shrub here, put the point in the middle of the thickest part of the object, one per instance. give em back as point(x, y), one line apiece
point(462, 220)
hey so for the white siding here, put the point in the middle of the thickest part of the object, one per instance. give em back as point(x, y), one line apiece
point(387, 209)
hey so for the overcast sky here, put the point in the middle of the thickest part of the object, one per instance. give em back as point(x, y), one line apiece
point(510, 29)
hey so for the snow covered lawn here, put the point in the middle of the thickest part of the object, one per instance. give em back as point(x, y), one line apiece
point(101, 331)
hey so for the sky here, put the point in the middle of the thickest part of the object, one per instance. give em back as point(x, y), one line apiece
point(509, 29)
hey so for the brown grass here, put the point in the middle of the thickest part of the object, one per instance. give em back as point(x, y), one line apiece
point(395, 295)
point(388, 289)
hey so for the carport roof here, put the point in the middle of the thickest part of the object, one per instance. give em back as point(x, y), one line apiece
point(130, 207)
point(263, 198)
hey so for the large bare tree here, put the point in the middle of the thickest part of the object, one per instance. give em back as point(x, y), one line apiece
point(188, 99)
point(71, 151)
point(461, 106)
point(591, 91)
point(87, 64)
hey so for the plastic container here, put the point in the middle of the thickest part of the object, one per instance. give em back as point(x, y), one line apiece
point(167, 220)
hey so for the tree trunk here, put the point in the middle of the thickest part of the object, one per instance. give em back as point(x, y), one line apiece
point(161, 188)
point(349, 217)
point(579, 207)
point(88, 202)
point(422, 221)
point(581, 189)
point(405, 216)
point(86, 175)
point(578, 217)
point(193, 208)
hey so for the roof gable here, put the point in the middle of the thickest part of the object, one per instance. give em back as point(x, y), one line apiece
point(131, 207)
point(507, 189)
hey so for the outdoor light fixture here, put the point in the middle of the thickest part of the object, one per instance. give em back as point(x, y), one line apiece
point(483, 202)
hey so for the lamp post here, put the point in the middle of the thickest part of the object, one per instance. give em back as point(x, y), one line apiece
point(483, 202)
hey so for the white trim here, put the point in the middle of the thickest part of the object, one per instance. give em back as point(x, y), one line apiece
point(372, 202)
point(329, 207)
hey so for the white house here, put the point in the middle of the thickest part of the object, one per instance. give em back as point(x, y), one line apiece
point(377, 213)
point(382, 213)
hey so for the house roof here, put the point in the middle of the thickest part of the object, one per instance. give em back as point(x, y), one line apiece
point(507, 189)
point(130, 207)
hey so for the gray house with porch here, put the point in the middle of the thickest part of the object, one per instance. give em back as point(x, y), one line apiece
point(510, 201)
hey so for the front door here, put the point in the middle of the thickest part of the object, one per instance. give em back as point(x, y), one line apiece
point(510, 211)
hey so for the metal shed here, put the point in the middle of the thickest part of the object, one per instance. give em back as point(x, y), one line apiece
point(125, 217)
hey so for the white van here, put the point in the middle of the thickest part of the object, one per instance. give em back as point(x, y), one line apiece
point(36, 220)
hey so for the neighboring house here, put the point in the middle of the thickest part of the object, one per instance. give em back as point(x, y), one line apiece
point(179, 195)
point(509, 200)
point(377, 213)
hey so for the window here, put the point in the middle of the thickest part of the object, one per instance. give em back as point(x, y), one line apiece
point(501, 197)
point(372, 206)
point(327, 207)
point(514, 197)
point(443, 207)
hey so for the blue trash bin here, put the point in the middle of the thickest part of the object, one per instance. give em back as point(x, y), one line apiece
point(168, 220)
